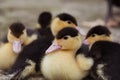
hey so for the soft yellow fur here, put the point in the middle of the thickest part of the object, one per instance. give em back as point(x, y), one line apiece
point(38, 26)
point(84, 63)
point(58, 24)
point(7, 56)
point(62, 64)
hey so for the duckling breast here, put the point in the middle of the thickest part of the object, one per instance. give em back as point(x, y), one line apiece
point(7, 56)
point(60, 66)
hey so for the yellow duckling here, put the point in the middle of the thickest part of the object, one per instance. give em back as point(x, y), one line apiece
point(98, 33)
point(60, 62)
point(17, 38)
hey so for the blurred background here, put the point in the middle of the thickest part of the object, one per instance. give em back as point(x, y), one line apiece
point(87, 12)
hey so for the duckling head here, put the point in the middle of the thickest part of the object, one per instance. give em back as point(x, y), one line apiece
point(98, 33)
point(17, 36)
point(44, 19)
point(67, 39)
point(62, 20)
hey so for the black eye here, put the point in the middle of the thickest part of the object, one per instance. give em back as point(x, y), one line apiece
point(69, 22)
point(66, 37)
point(93, 35)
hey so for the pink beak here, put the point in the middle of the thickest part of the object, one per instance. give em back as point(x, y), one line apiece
point(86, 42)
point(17, 46)
point(53, 47)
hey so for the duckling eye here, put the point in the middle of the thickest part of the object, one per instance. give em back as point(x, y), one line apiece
point(66, 37)
point(93, 35)
point(69, 22)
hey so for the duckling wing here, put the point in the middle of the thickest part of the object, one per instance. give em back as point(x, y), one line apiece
point(107, 55)
point(83, 49)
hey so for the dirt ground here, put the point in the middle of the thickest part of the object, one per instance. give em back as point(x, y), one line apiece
point(27, 11)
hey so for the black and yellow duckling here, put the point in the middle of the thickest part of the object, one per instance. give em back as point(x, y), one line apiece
point(62, 20)
point(35, 51)
point(42, 28)
point(106, 55)
point(43, 23)
point(97, 33)
point(17, 38)
point(60, 62)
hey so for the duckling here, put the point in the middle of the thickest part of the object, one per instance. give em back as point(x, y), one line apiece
point(106, 55)
point(9, 51)
point(43, 25)
point(62, 20)
point(37, 48)
point(97, 33)
point(60, 62)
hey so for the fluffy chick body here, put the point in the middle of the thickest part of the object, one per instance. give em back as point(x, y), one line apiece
point(9, 56)
point(64, 64)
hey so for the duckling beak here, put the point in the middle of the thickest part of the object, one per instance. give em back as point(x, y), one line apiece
point(53, 47)
point(86, 42)
point(17, 46)
point(82, 32)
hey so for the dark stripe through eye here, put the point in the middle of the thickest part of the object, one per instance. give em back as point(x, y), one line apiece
point(66, 37)
point(67, 31)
